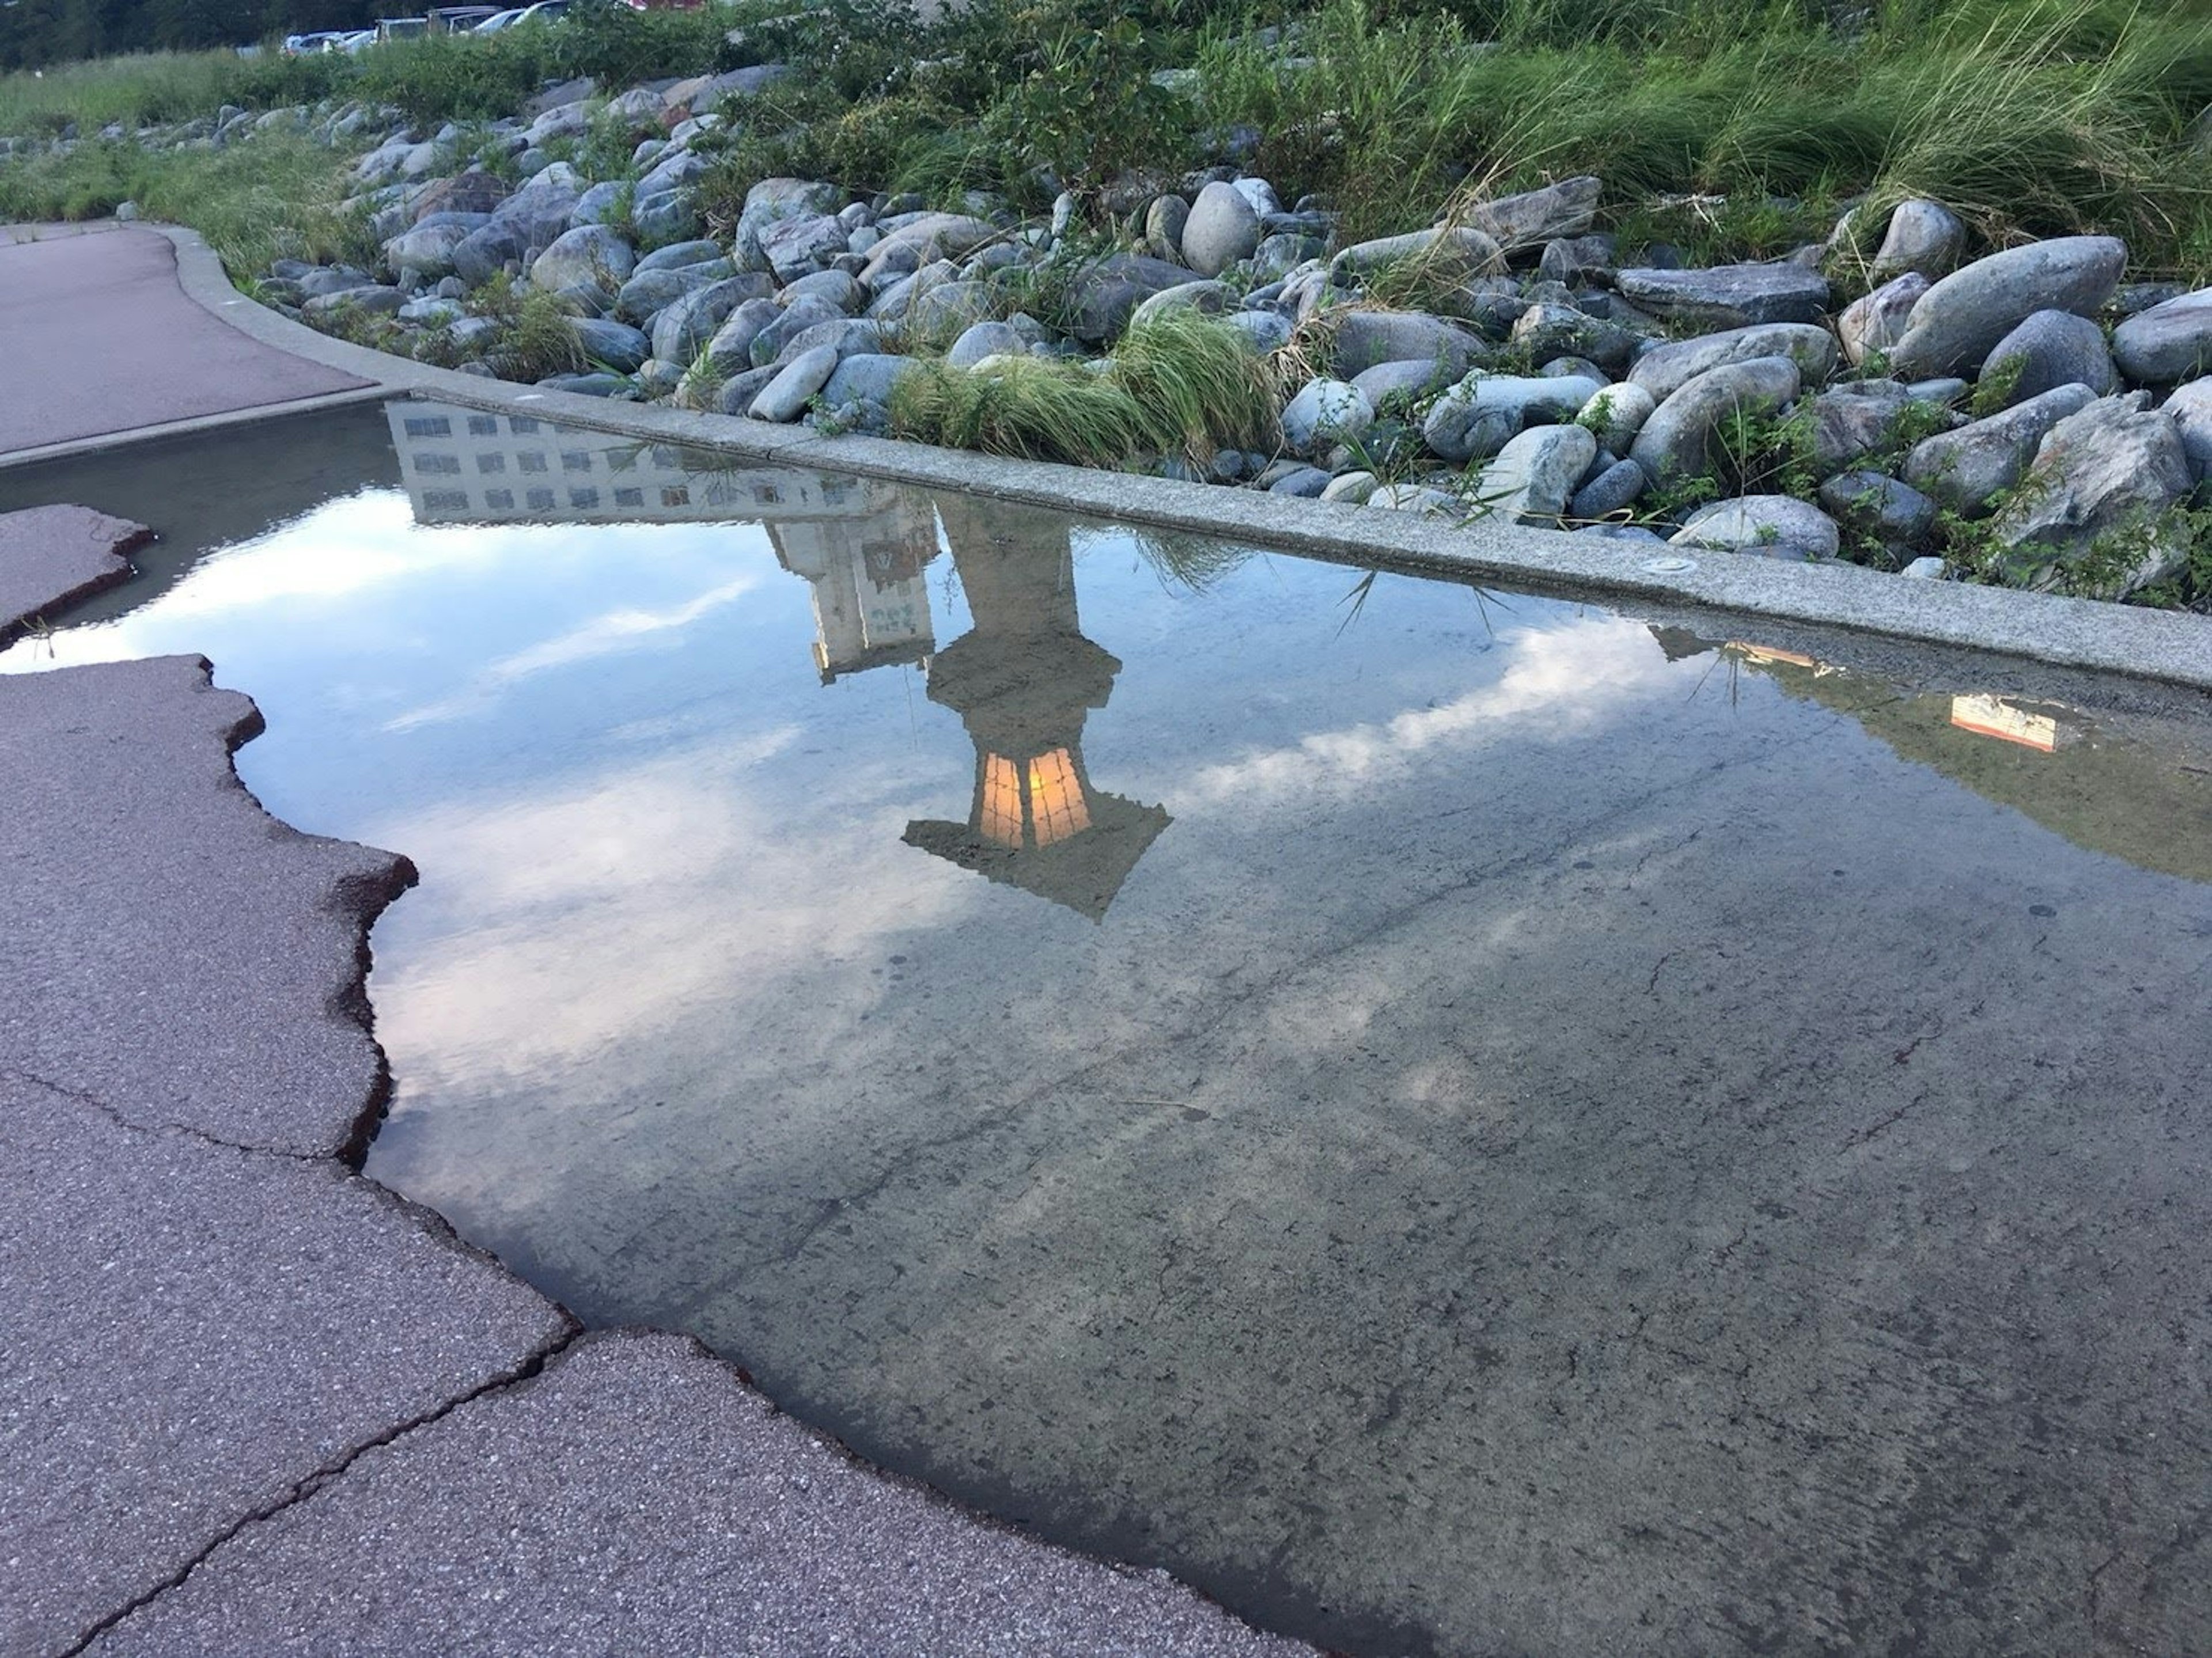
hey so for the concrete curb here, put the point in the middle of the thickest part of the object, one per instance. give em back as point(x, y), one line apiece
point(2165, 646)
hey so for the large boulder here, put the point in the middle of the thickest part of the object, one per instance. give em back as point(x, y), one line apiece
point(1536, 216)
point(540, 210)
point(802, 314)
point(1221, 229)
point(1535, 474)
point(1774, 526)
point(803, 243)
point(1105, 292)
point(1365, 338)
point(731, 350)
point(614, 346)
point(590, 256)
point(1325, 413)
point(1853, 420)
point(649, 292)
point(1955, 323)
point(1450, 254)
point(1874, 323)
point(926, 236)
point(1481, 414)
point(472, 191)
point(1548, 330)
point(486, 251)
point(1924, 236)
point(768, 203)
point(1875, 504)
point(680, 331)
point(1963, 470)
point(2095, 509)
point(1666, 370)
point(2168, 342)
point(2189, 409)
point(865, 377)
point(1730, 296)
point(1677, 441)
point(786, 397)
point(2048, 350)
point(426, 252)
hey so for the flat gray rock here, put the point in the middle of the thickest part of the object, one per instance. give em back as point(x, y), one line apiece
point(2169, 341)
point(51, 556)
point(171, 948)
point(1773, 526)
point(1667, 369)
point(2048, 350)
point(194, 1333)
point(1677, 439)
point(1730, 295)
point(550, 1517)
point(1953, 326)
point(1964, 468)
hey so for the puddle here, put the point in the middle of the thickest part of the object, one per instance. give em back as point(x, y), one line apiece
point(1454, 1120)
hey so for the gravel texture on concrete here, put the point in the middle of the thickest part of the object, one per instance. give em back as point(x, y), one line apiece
point(159, 356)
point(635, 1497)
point(195, 1334)
point(172, 949)
point(51, 556)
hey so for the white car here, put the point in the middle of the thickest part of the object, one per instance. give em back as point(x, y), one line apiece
point(499, 20)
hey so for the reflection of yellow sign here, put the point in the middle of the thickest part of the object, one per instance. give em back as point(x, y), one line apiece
point(1992, 716)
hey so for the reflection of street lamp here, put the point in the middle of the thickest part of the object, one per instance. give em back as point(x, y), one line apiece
point(1022, 680)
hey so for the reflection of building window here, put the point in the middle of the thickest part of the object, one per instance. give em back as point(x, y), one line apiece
point(445, 500)
point(499, 500)
point(428, 426)
point(541, 501)
point(675, 496)
point(1002, 802)
point(622, 460)
point(521, 425)
point(1057, 798)
point(576, 461)
point(663, 455)
point(581, 498)
point(719, 494)
point(834, 495)
point(483, 426)
point(531, 461)
point(629, 497)
point(439, 465)
point(767, 494)
point(487, 464)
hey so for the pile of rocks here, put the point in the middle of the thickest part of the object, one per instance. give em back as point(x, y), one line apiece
point(1552, 376)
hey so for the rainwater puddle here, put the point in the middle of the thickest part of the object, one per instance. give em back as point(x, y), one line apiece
point(1457, 1121)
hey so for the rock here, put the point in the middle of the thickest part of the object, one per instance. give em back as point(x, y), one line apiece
point(688, 323)
point(597, 205)
point(2169, 341)
point(1278, 255)
point(485, 251)
point(1929, 569)
point(1365, 338)
point(1535, 474)
point(928, 236)
point(2133, 299)
point(1104, 292)
point(1418, 376)
point(849, 336)
point(1676, 442)
point(1580, 258)
point(472, 191)
point(2189, 409)
point(430, 311)
point(374, 298)
point(1478, 416)
point(1730, 296)
point(1664, 371)
point(1325, 412)
point(1956, 322)
point(1220, 229)
point(1566, 209)
point(774, 200)
point(1634, 533)
point(649, 292)
point(944, 310)
point(669, 216)
point(786, 397)
point(1267, 331)
point(1613, 490)
point(1549, 330)
point(1353, 487)
point(2095, 507)
point(1617, 414)
point(796, 245)
point(2049, 348)
point(1946, 392)
point(1308, 482)
point(1875, 504)
point(1451, 255)
point(1924, 236)
point(1853, 420)
point(590, 255)
point(540, 210)
point(1962, 470)
point(1164, 225)
point(1260, 195)
point(1874, 322)
point(1776, 526)
point(674, 171)
point(985, 339)
point(590, 385)
point(613, 345)
point(1424, 499)
point(731, 350)
point(836, 286)
point(802, 313)
point(425, 254)
point(680, 254)
point(865, 379)
point(1211, 297)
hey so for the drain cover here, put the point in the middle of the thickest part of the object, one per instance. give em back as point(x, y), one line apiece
point(1670, 566)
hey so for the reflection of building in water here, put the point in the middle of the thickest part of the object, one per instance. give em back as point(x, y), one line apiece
point(861, 545)
point(1022, 680)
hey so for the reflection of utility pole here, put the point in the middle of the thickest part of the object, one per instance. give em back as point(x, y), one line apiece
point(1023, 681)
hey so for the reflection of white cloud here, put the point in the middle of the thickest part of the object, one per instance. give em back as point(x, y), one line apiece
point(559, 927)
point(1567, 676)
point(624, 630)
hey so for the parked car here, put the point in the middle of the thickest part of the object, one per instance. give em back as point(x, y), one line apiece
point(458, 20)
point(499, 20)
point(401, 28)
point(351, 42)
point(299, 45)
point(545, 11)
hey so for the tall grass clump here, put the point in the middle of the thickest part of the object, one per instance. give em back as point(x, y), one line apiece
point(1178, 382)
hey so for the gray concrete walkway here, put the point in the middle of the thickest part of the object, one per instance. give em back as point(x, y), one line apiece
point(100, 338)
point(252, 1402)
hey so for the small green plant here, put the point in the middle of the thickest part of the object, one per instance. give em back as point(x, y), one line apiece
point(1993, 392)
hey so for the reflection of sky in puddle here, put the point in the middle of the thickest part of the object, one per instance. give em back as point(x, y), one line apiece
point(1336, 1187)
